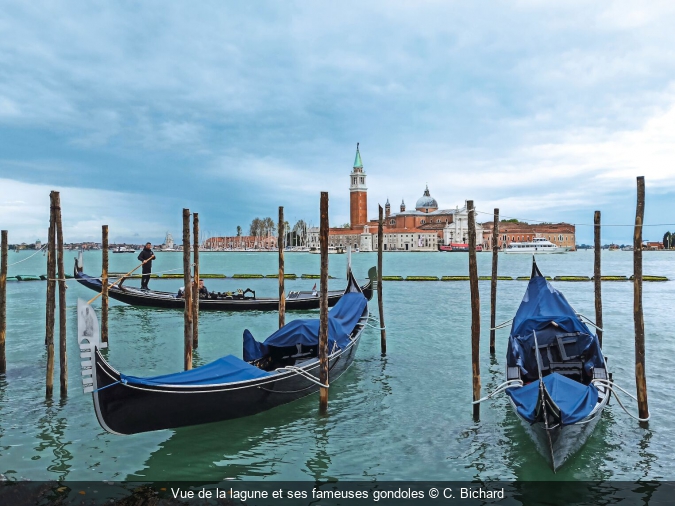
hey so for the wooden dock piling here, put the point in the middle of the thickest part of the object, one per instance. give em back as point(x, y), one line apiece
point(3, 300)
point(597, 275)
point(282, 290)
point(63, 354)
point(104, 284)
point(475, 309)
point(187, 292)
point(195, 290)
point(51, 302)
point(638, 317)
point(380, 304)
point(323, 298)
point(493, 281)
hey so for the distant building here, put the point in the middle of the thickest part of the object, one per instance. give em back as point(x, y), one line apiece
point(240, 242)
point(561, 234)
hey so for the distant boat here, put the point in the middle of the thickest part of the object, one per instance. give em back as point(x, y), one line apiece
point(538, 245)
point(458, 247)
point(331, 250)
point(627, 248)
point(614, 247)
point(124, 249)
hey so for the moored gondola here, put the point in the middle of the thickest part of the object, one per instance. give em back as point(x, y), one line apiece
point(241, 300)
point(283, 368)
point(556, 375)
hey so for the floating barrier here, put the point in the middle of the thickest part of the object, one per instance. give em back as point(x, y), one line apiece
point(392, 278)
point(455, 278)
point(210, 276)
point(247, 276)
point(314, 276)
point(527, 278)
point(652, 278)
point(27, 277)
point(286, 276)
point(499, 278)
point(612, 278)
point(421, 278)
point(571, 278)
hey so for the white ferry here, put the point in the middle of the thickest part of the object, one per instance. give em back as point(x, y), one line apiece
point(538, 245)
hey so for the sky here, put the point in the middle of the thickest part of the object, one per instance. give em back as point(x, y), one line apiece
point(547, 110)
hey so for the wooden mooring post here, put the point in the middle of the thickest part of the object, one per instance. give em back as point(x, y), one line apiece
point(638, 317)
point(475, 309)
point(597, 275)
point(323, 298)
point(51, 301)
point(195, 290)
point(380, 304)
point(63, 354)
point(187, 293)
point(104, 284)
point(493, 281)
point(282, 289)
point(3, 300)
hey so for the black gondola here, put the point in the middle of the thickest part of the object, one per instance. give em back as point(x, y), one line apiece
point(283, 368)
point(230, 301)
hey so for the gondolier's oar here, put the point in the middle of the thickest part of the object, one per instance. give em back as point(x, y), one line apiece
point(122, 277)
point(542, 388)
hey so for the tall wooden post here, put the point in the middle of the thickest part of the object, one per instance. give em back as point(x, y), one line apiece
point(282, 290)
point(638, 317)
point(3, 300)
point(195, 291)
point(51, 302)
point(493, 281)
point(380, 304)
point(323, 298)
point(597, 275)
point(63, 355)
point(104, 284)
point(475, 309)
point(187, 294)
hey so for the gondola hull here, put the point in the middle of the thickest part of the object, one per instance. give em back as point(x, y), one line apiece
point(126, 409)
point(303, 300)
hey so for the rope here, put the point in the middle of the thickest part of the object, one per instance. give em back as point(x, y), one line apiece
point(304, 374)
point(501, 388)
point(503, 324)
point(374, 327)
point(590, 322)
point(586, 224)
point(159, 272)
point(610, 386)
point(111, 384)
point(38, 251)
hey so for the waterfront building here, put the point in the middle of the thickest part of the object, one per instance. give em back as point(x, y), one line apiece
point(560, 234)
point(240, 242)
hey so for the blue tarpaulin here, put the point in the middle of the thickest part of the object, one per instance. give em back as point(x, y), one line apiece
point(341, 321)
point(575, 400)
point(227, 369)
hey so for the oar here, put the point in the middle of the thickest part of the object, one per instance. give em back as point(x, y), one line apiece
point(543, 400)
point(122, 277)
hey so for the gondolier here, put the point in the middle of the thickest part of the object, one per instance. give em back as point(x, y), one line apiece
point(146, 256)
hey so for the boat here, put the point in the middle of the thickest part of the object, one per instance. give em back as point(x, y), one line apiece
point(123, 249)
point(283, 368)
point(331, 250)
point(238, 300)
point(538, 245)
point(560, 392)
point(458, 247)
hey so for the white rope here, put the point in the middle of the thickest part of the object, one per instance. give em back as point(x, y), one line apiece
point(375, 327)
point(501, 325)
point(38, 251)
point(500, 389)
point(590, 322)
point(610, 386)
point(302, 373)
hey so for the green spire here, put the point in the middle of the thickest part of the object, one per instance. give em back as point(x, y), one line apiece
point(358, 164)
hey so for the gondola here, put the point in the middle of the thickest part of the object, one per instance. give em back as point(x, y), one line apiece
point(560, 391)
point(283, 368)
point(242, 300)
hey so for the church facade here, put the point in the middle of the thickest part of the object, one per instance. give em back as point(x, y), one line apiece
point(424, 228)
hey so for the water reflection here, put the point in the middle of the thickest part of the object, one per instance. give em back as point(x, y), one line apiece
point(51, 436)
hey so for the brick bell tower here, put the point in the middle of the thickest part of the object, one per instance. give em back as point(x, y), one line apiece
point(358, 194)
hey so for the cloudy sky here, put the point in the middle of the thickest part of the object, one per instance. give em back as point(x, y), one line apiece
point(134, 110)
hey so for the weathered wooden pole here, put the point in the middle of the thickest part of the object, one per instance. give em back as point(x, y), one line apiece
point(195, 291)
point(597, 275)
point(51, 292)
point(638, 317)
point(493, 281)
point(187, 292)
point(380, 304)
point(323, 298)
point(282, 290)
point(3, 300)
point(475, 309)
point(63, 354)
point(104, 284)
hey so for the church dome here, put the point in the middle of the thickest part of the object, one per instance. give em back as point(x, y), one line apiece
point(426, 202)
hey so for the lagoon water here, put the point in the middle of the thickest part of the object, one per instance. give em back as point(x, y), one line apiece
point(404, 416)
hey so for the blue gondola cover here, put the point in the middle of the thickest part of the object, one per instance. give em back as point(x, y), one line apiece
point(576, 401)
point(228, 369)
point(341, 321)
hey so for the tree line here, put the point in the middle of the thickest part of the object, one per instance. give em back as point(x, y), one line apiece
point(669, 240)
point(267, 227)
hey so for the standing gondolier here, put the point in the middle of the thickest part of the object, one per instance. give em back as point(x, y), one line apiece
point(146, 257)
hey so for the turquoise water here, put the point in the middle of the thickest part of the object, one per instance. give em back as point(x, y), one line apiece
point(405, 416)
